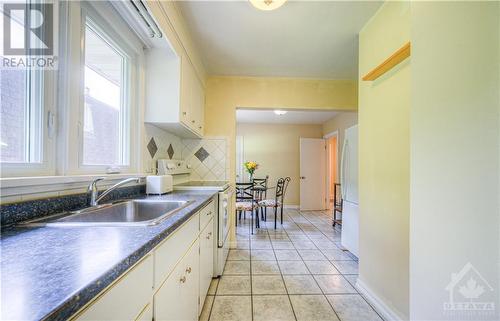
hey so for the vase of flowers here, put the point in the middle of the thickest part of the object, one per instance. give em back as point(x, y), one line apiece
point(251, 167)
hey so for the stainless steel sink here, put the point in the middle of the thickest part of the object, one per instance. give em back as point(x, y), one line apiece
point(137, 212)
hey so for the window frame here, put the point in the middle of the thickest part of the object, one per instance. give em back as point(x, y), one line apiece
point(41, 157)
point(122, 37)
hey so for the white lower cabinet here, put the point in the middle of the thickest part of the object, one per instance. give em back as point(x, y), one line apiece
point(206, 261)
point(177, 298)
point(169, 283)
point(126, 298)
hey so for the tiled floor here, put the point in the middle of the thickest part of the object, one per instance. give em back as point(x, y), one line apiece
point(297, 272)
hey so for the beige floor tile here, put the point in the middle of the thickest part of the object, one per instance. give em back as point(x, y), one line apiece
point(293, 267)
point(287, 255)
point(333, 284)
point(353, 308)
point(283, 245)
point(232, 308)
point(207, 307)
point(312, 255)
point(321, 267)
point(346, 267)
point(265, 267)
point(261, 245)
point(234, 284)
point(268, 284)
point(238, 255)
point(336, 254)
point(312, 308)
point(237, 268)
point(352, 278)
point(263, 255)
point(272, 308)
point(301, 284)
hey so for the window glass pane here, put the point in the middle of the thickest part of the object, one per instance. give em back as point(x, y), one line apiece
point(103, 112)
point(13, 124)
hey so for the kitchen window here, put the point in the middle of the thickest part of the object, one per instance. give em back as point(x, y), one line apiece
point(26, 100)
point(105, 88)
point(106, 108)
point(85, 117)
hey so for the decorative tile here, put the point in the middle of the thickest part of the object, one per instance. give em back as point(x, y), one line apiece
point(201, 154)
point(170, 151)
point(152, 148)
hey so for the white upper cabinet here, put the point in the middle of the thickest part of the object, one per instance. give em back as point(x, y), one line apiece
point(175, 95)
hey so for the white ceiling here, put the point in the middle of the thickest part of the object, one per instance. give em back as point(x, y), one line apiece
point(301, 39)
point(291, 117)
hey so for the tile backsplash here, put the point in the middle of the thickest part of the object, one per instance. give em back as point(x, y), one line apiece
point(160, 144)
point(208, 158)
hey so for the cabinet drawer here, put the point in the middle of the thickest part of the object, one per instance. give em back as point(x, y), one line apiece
point(172, 249)
point(124, 299)
point(206, 214)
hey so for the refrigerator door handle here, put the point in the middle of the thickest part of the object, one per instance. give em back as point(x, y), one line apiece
point(342, 170)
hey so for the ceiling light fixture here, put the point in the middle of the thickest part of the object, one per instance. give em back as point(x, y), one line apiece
point(267, 5)
point(280, 112)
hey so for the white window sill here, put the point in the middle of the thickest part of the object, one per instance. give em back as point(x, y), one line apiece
point(15, 189)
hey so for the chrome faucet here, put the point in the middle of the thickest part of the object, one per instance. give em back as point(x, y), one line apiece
point(94, 199)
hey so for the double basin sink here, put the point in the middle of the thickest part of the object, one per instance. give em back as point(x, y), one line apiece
point(135, 212)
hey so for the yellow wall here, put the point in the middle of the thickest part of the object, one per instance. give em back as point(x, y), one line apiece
point(384, 107)
point(455, 144)
point(224, 94)
point(276, 149)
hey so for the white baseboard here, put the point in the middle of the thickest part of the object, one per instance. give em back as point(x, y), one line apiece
point(295, 207)
point(387, 312)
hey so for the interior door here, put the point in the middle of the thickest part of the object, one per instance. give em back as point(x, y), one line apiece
point(312, 174)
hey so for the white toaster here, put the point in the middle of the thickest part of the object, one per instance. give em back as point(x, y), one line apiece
point(159, 184)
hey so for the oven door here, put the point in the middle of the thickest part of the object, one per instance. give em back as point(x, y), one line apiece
point(223, 216)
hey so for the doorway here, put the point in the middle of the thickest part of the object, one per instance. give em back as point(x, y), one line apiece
point(332, 167)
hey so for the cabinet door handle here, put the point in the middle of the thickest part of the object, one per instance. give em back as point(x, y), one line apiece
point(193, 121)
point(209, 234)
point(183, 279)
point(199, 127)
point(184, 113)
point(188, 270)
point(209, 213)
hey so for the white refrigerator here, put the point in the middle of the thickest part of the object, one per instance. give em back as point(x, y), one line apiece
point(349, 189)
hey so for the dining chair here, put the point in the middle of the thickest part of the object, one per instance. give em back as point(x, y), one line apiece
point(246, 202)
point(260, 186)
point(279, 198)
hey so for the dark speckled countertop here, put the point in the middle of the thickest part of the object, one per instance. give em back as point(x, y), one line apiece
point(51, 272)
